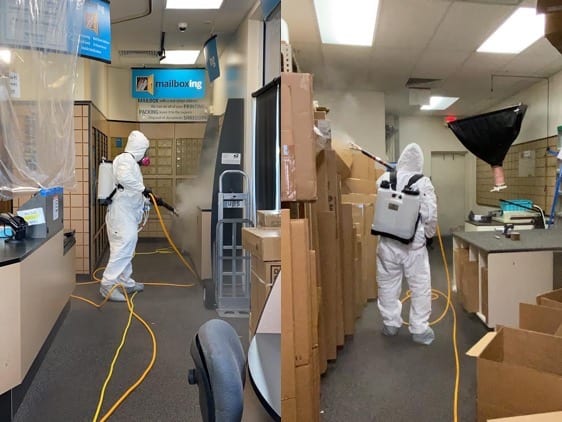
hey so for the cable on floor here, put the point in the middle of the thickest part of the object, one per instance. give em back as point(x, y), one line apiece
point(132, 313)
point(434, 295)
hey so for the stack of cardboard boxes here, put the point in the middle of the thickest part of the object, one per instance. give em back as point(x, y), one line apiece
point(519, 370)
point(327, 251)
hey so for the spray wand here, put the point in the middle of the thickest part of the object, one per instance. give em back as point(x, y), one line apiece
point(157, 201)
point(379, 160)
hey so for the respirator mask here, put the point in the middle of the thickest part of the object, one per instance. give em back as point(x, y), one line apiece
point(144, 161)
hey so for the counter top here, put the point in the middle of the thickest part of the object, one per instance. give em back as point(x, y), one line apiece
point(531, 240)
point(16, 251)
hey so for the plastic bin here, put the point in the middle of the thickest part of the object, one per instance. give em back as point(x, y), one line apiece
point(516, 205)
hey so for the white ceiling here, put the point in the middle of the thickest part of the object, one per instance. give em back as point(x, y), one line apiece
point(137, 27)
point(423, 39)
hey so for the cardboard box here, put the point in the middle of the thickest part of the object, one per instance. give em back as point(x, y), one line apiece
point(298, 144)
point(267, 218)
point(518, 373)
point(552, 299)
point(362, 167)
point(264, 244)
point(537, 417)
point(358, 290)
point(369, 259)
point(470, 287)
point(259, 291)
point(359, 198)
point(320, 115)
point(540, 318)
point(266, 270)
point(359, 186)
point(314, 299)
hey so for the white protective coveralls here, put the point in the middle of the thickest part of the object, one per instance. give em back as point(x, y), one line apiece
point(396, 259)
point(123, 217)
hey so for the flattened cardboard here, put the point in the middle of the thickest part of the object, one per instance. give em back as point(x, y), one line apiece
point(539, 318)
point(302, 302)
point(346, 251)
point(362, 167)
point(265, 244)
point(537, 417)
point(552, 299)
point(327, 254)
point(298, 144)
point(365, 186)
point(288, 381)
point(266, 270)
point(327, 181)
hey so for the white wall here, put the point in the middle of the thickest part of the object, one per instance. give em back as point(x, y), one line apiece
point(356, 115)
point(121, 105)
point(92, 84)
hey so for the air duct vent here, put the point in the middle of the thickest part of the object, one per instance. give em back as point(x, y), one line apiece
point(138, 53)
point(415, 82)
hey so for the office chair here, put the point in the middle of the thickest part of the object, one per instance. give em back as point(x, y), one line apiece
point(220, 371)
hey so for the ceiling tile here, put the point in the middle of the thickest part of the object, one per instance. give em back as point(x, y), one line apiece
point(439, 64)
point(467, 25)
point(408, 23)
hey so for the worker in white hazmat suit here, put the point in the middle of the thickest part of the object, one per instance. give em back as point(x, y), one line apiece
point(123, 217)
point(396, 259)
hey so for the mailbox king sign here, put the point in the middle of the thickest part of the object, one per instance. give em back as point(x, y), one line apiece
point(186, 84)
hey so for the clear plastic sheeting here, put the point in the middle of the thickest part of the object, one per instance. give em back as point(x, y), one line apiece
point(38, 59)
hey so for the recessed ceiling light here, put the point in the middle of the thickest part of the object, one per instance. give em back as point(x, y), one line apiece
point(180, 57)
point(518, 32)
point(193, 4)
point(439, 103)
point(350, 22)
point(5, 56)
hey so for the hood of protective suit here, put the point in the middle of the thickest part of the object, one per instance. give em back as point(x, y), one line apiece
point(411, 159)
point(137, 144)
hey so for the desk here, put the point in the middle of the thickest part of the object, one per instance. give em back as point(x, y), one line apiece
point(264, 354)
point(264, 358)
point(518, 271)
point(36, 280)
point(476, 226)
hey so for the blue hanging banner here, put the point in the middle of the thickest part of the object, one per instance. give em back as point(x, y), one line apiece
point(212, 58)
point(187, 84)
point(95, 37)
point(267, 6)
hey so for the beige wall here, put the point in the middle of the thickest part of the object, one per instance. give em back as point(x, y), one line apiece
point(122, 106)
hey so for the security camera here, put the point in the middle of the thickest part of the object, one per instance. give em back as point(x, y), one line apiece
point(182, 26)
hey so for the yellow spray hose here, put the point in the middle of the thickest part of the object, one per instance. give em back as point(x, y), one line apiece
point(165, 230)
point(434, 295)
point(132, 313)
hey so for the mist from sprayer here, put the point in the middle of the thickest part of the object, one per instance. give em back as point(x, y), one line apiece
point(193, 195)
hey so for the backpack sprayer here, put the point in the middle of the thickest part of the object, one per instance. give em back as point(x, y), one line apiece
point(107, 187)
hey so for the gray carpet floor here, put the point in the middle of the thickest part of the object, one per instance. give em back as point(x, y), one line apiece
point(376, 378)
point(373, 379)
point(68, 382)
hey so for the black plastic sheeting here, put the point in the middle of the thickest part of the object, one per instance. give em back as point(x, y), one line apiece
point(489, 135)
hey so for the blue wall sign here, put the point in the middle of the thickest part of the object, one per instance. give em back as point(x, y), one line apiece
point(212, 58)
point(95, 37)
point(187, 84)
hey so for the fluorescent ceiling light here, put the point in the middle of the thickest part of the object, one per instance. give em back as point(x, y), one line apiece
point(517, 33)
point(350, 22)
point(439, 103)
point(193, 4)
point(5, 56)
point(180, 57)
